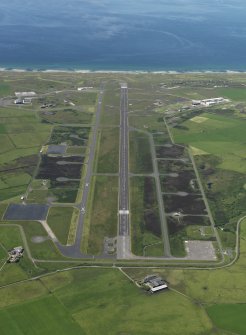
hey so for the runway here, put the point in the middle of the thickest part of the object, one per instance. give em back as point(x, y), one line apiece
point(123, 168)
point(124, 240)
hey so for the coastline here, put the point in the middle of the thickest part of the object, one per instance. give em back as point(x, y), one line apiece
point(83, 71)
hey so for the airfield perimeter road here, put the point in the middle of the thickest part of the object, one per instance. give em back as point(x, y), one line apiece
point(74, 250)
point(123, 247)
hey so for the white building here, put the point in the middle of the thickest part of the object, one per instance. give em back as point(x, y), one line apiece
point(209, 102)
point(155, 283)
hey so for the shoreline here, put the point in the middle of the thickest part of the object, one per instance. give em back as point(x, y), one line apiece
point(84, 71)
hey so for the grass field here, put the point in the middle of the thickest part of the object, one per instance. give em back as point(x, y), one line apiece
point(230, 317)
point(154, 250)
point(177, 246)
point(11, 237)
point(222, 167)
point(152, 123)
point(50, 316)
point(4, 89)
point(217, 286)
point(145, 221)
point(21, 293)
point(233, 93)
point(103, 216)
point(108, 156)
point(218, 135)
point(220, 291)
point(111, 105)
point(21, 137)
point(140, 155)
point(3, 208)
point(44, 250)
point(100, 302)
point(59, 220)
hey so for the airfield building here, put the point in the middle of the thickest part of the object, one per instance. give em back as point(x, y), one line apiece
point(209, 102)
point(19, 101)
point(155, 283)
point(15, 254)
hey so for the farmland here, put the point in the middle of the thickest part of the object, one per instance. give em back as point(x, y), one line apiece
point(207, 288)
point(228, 316)
point(78, 297)
point(84, 292)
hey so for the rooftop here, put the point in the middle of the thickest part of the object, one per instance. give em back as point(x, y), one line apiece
point(155, 283)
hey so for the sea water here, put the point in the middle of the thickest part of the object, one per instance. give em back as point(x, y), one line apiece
point(157, 35)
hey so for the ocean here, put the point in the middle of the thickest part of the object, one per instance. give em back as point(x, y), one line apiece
point(123, 35)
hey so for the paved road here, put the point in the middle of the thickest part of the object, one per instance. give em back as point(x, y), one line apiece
point(123, 169)
point(74, 250)
point(123, 246)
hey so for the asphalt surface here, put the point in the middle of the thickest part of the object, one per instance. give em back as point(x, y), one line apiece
point(124, 239)
point(29, 212)
point(74, 250)
point(123, 168)
point(89, 172)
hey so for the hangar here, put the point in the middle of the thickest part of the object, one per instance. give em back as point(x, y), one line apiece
point(155, 283)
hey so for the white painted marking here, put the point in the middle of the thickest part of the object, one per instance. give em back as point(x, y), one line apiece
point(123, 212)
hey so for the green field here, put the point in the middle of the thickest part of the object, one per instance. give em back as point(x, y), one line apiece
point(218, 135)
point(217, 143)
point(108, 156)
point(59, 220)
point(50, 316)
point(4, 89)
point(140, 155)
point(151, 122)
point(97, 301)
point(103, 214)
point(44, 250)
point(20, 294)
point(10, 236)
point(230, 317)
point(208, 287)
point(111, 105)
point(22, 136)
point(145, 221)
